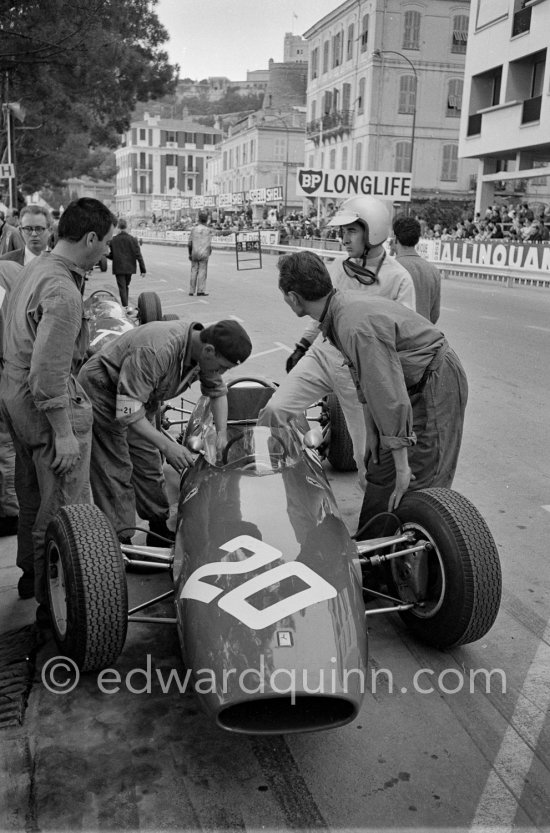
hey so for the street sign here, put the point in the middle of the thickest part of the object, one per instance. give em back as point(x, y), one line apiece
point(248, 249)
point(7, 171)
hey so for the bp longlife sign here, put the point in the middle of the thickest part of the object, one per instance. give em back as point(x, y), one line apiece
point(385, 185)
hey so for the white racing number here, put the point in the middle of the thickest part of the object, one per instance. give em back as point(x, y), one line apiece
point(235, 602)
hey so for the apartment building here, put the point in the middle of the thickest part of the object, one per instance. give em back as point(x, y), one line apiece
point(385, 93)
point(161, 163)
point(505, 124)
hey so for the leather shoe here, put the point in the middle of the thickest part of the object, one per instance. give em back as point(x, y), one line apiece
point(9, 525)
point(156, 529)
point(25, 585)
point(202, 293)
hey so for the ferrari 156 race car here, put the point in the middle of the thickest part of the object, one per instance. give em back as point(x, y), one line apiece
point(270, 592)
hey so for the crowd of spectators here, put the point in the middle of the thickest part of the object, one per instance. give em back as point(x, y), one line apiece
point(519, 224)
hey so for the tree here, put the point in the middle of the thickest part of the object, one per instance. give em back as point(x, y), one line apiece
point(78, 69)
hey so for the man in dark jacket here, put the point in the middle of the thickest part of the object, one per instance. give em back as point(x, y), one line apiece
point(125, 251)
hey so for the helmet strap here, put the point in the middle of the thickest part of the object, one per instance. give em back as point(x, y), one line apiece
point(360, 272)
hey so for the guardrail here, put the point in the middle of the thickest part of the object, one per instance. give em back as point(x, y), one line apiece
point(504, 262)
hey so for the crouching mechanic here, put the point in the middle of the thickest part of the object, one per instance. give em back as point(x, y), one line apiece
point(365, 225)
point(410, 382)
point(126, 381)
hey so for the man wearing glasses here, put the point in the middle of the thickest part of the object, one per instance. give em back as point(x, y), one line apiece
point(35, 228)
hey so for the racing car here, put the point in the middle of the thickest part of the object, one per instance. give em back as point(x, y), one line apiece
point(269, 591)
point(107, 318)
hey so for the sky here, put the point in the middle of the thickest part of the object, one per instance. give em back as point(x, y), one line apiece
point(229, 37)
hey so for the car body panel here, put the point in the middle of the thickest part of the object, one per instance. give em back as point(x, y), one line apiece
point(268, 587)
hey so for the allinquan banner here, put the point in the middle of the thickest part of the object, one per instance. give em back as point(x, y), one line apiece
point(386, 185)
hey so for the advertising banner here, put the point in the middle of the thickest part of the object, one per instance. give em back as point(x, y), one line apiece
point(385, 185)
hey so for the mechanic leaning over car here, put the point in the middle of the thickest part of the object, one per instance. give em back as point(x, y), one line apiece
point(126, 381)
point(47, 412)
point(410, 382)
point(365, 225)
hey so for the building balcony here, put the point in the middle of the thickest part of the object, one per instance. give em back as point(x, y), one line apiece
point(334, 123)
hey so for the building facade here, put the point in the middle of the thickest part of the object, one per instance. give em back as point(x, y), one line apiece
point(264, 150)
point(506, 119)
point(385, 93)
point(161, 164)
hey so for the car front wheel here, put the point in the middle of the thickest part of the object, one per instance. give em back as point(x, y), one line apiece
point(86, 586)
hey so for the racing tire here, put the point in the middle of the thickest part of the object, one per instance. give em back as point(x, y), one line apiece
point(149, 307)
point(86, 586)
point(463, 582)
point(170, 316)
point(340, 447)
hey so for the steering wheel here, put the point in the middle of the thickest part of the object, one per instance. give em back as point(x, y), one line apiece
point(232, 441)
point(103, 292)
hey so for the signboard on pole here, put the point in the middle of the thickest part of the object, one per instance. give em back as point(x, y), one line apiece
point(7, 171)
point(386, 185)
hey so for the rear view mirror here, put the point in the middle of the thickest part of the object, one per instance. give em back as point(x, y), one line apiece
point(195, 444)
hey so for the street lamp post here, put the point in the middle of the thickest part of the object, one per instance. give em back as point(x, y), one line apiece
point(378, 53)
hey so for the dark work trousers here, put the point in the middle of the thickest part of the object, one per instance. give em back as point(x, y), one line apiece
point(125, 470)
point(39, 490)
point(123, 282)
point(438, 420)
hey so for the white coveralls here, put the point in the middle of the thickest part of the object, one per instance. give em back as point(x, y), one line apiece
point(127, 380)
point(200, 249)
point(322, 370)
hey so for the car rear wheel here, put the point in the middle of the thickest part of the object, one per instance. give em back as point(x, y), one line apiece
point(86, 585)
point(340, 448)
point(149, 307)
point(456, 582)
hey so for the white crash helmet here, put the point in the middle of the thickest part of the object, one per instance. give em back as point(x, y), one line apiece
point(373, 214)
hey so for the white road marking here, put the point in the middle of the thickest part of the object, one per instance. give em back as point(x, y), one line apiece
point(546, 507)
point(489, 317)
point(234, 318)
point(499, 801)
point(448, 309)
point(284, 346)
point(266, 352)
point(534, 327)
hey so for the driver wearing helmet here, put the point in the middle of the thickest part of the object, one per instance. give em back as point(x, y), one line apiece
point(365, 223)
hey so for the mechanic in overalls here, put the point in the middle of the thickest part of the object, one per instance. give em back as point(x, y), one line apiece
point(126, 382)
point(410, 382)
point(321, 370)
point(47, 412)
